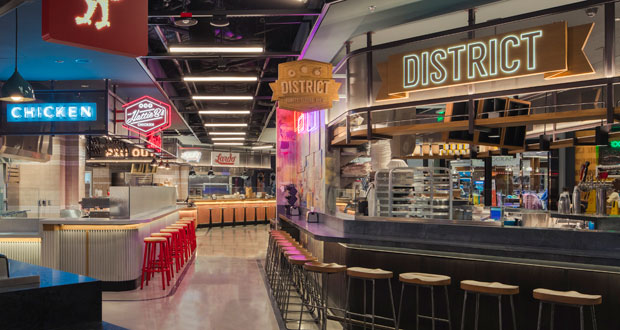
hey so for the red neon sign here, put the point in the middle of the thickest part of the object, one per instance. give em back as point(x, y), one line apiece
point(147, 116)
point(154, 142)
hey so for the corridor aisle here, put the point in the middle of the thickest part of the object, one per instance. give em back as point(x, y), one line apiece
point(222, 289)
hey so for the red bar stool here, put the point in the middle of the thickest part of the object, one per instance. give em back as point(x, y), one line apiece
point(192, 233)
point(168, 237)
point(184, 238)
point(177, 248)
point(154, 262)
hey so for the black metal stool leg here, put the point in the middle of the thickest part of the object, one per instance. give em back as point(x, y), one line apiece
point(417, 307)
point(540, 308)
point(400, 304)
point(433, 307)
point(499, 299)
point(346, 304)
point(477, 309)
point(392, 301)
point(514, 318)
point(448, 307)
point(552, 315)
point(373, 304)
point(593, 317)
point(581, 318)
point(463, 314)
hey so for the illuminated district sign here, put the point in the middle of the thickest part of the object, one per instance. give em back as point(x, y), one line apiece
point(147, 116)
point(554, 50)
point(305, 86)
point(58, 112)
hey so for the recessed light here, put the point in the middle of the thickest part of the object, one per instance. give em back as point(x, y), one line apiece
point(225, 125)
point(59, 61)
point(226, 133)
point(223, 97)
point(227, 143)
point(215, 49)
point(221, 79)
point(228, 139)
point(82, 60)
point(224, 112)
point(262, 147)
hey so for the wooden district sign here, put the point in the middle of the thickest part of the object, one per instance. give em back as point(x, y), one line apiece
point(305, 85)
point(554, 50)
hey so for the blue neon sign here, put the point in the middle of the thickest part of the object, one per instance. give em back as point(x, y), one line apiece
point(37, 112)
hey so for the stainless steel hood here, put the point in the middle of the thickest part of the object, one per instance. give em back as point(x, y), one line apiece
point(27, 148)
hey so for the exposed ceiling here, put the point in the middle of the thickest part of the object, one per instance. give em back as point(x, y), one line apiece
point(279, 26)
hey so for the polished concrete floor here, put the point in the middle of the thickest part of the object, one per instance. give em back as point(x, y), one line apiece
point(222, 288)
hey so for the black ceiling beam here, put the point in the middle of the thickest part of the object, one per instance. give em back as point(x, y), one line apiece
point(168, 56)
point(239, 13)
point(272, 79)
point(189, 97)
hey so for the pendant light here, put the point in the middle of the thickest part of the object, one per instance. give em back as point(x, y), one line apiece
point(16, 89)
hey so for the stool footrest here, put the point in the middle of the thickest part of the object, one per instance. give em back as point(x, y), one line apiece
point(433, 318)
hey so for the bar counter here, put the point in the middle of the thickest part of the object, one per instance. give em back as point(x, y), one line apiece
point(226, 211)
point(587, 261)
point(109, 250)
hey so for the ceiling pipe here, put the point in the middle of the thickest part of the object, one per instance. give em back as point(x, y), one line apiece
point(240, 13)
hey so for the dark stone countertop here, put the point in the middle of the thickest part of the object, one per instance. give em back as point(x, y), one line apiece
point(48, 277)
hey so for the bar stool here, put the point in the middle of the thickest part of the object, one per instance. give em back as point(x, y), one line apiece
point(168, 238)
point(372, 275)
point(296, 261)
point(192, 233)
point(426, 281)
point(493, 289)
point(177, 249)
point(568, 298)
point(184, 243)
point(155, 263)
point(324, 270)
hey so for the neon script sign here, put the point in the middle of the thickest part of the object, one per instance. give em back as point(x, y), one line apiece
point(48, 112)
point(540, 50)
point(225, 159)
point(147, 116)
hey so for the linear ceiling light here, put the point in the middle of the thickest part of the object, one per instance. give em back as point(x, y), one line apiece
point(223, 97)
point(226, 125)
point(224, 112)
point(226, 133)
point(215, 49)
point(262, 147)
point(228, 143)
point(221, 79)
point(228, 139)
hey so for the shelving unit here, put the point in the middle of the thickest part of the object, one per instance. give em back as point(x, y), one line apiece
point(421, 192)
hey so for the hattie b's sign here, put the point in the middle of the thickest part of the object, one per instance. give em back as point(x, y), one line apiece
point(305, 86)
point(147, 116)
point(554, 50)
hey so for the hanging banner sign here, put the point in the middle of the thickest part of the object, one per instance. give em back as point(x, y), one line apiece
point(33, 112)
point(147, 116)
point(112, 26)
point(224, 159)
point(305, 86)
point(552, 50)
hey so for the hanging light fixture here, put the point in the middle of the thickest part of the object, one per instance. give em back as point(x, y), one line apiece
point(211, 174)
point(192, 171)
point(161, 164)
point(245, 174)
point(219, 19)
point(16, 89)
point(186, 18)
point(167, 165)
point(153, 162)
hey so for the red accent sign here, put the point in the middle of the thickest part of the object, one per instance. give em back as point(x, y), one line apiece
point(225, 159)
point(154, 142)
point(112, 26)
point(147, 116)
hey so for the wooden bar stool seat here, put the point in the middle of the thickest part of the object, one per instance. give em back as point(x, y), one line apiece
point(425, 279)
point(570, 298)
point(320, 267)
point(300, 259)
point(493, 288)
point(567, 297)
point(368, 273)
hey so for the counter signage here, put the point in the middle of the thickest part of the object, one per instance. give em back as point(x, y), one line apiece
point(224, 159)
point(552, 50)
point(46, 112)
point(305, 86)
point(147, 116)
point(98, 148)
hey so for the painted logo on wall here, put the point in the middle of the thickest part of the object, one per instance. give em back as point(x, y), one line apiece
point(147, 116)
point(224, 159)
point(92, 5)
point(38, 112)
